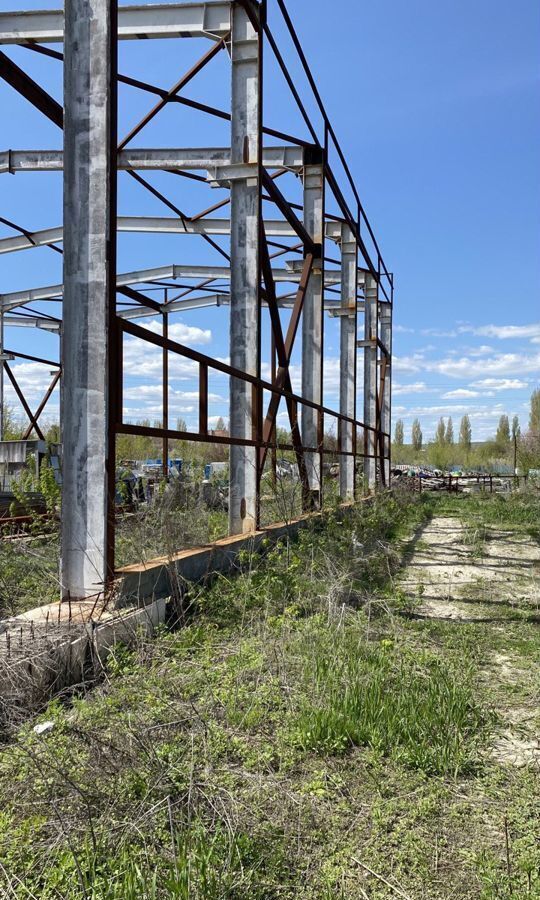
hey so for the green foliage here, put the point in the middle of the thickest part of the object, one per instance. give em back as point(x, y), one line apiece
point(399, 433)
point(44, 483)
point(294, 726)
point(416, 435)
point(414, 707)
point(465, 434)
point(13, 428)
point(534, 415)
point(503, 431)
point(440, 434)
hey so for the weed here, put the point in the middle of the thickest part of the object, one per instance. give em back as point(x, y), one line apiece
point(412, 706)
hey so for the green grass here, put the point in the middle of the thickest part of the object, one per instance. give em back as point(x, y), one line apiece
point(297, 727)
point(415, 707)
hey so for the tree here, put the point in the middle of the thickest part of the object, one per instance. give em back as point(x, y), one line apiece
point(13, 429)
point(220, 424)
point(398, 434)
point(465, 433)
point(181, 424)
point(440, 434)
point(528, 451)
point(503, 431)
point(516, 430)
point(534, 416)
point(449, 434)
point(416, 435)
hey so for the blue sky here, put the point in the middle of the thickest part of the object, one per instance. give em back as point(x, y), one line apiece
point(436, 106)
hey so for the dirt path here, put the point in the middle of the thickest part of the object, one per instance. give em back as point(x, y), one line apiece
point(472, 573)
point(490, 576)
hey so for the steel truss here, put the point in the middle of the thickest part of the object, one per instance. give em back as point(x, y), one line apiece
point(94, 318)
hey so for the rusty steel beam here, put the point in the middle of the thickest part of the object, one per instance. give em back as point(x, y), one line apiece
point(33, 422)
point(30, 90)
point(43, 404)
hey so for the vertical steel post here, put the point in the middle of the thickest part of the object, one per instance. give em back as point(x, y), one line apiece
point(165, 379)
point(370, 378)
point(386, 399)
point(1, 374)
point(273, 434)
point(89, 286)
point(245, 233)
point(347, 380)
point(312, 324)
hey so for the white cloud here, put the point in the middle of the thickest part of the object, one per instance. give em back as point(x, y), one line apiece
point(145, 360)
point(417, 387)
point(33, 379)
point(412, 363)
point(178, 331)
point(155, 391)
point(482, 350)
point(499, 364)
point(504, 332)
point(438, 333)
point(460, 394)
point(500, 384)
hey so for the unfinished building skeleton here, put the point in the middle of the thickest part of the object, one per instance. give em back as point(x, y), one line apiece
point(272, 241)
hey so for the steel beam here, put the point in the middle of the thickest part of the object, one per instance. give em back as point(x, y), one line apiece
point(88, 270)
point(32, 322)
point(150, 225)
point(386, 399)
point(244, 331)
point(175, 160)
point(370, 380)
point(347, 374)
point(208, 300)
point(312, 330)
point(12, 299)
point(156, 20)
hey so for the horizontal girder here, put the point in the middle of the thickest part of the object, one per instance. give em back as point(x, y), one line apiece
point(143, 276)
point(140, 312)
point(157, 225)
point(205, 158)
point(157, 20)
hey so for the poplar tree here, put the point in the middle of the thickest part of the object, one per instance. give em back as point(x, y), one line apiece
point(399, 433)
point(465, 433)
point(534, 416)
point(449, 435)
point(417, 436)
point(440, 434)
point(503, 431)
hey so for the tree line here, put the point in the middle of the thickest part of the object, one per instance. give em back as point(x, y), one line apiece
point(508, 444)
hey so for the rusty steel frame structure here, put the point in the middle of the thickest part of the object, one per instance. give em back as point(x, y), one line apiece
point(92, 407)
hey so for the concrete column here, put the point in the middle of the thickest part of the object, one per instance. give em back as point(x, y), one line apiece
point(89, 252)
point(370, 377)
point(312, 327)
point(347, 372)
point(244, 311)
point(386, 405)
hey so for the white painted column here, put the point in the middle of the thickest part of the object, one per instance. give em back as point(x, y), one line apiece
point(370, 377)
point(386, 405)
point(89, 251)
point(312, 327)
point(244, 312)
point(347, 373)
